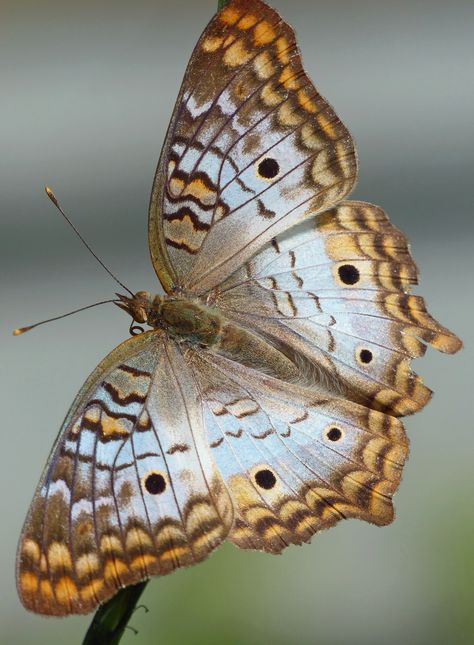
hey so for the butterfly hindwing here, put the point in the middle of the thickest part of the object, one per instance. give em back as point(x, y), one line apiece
point(334, 293)
point(294, 461)
point(130, 489)
point(252, 148)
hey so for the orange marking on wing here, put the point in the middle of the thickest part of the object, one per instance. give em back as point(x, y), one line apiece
point(137, 537)
point(236, 55)
point(59, 556)
point(208, 538)
point(114, 568)
point(141, 562)
point(43, 564)
point(200, 512)
point(174, 553)
point(110, 544)
point(92, 414)
point(288, 115)
point(306, 102)
point(343, 507)
point(211, 43)
point(229, 40)
point(241, 533)
point(65, 590)
point(341, 247)
point(386, 397)
point(229, 15)
point(175, 186)
point(379, 505)
point(87, 564)
point(263, 33)
point(198, 189)
point(283, 52)
point(28, 583)
point(371, 452)
point(263, 65)
point(291, 507)
point(76, 428)
point(269, 96)
point(447, 343)
point(220, 213)
point(247, 21)
point(92, 590)
point(288, 79)
point(31, 549)
point(326, 125)
point(111, 426)
point(169, 534)
point(311, 140)
point(240, 90)
point(321, 170)
point(171, 167)
point(46, 590)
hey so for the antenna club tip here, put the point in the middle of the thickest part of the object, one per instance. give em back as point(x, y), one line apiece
point(51, 195)
point(20, 330)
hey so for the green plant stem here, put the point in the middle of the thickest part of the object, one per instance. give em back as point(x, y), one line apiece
point(111, 619)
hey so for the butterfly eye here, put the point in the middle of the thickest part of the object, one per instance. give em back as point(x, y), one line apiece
point(268, 168)
point(333, 434)
point(265, 478)
point(155, 483)
point(349, 274)
point(365, 356)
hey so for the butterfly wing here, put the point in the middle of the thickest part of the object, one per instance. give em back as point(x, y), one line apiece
point(295, 461)
point(252, 149)
point(130, 489)
point(334, 294)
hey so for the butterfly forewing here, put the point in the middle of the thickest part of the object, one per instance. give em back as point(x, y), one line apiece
point(252, 149)
point(131, 489)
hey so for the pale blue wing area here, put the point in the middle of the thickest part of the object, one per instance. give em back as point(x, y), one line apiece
point(130, 489)
point(295, 461)
point(335, 293)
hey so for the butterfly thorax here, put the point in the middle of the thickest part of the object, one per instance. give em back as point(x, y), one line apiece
point(182, 318)
point(192, 321)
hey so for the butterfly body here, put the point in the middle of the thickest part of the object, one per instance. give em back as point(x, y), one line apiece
point(192, 321)
point(263, 404)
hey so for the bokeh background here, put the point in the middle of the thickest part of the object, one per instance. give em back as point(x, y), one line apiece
point(87, 89)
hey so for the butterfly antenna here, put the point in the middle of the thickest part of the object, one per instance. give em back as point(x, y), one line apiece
point(22, 330)
point(54, 199)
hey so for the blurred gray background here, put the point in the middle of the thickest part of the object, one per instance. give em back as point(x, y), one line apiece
point(87, 90)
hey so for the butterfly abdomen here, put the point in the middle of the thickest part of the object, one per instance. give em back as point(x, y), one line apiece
point(252, 350)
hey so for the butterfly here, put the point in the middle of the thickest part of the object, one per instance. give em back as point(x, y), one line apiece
point(263, 403)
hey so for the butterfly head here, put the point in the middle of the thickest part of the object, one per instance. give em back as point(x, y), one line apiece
point(143, 307)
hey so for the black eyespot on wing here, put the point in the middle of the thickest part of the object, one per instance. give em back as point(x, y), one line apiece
point(268, 168)
point(265, 479)
point(365, 356)
point(349, 274)
point(333, 434)
point(155, 483)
